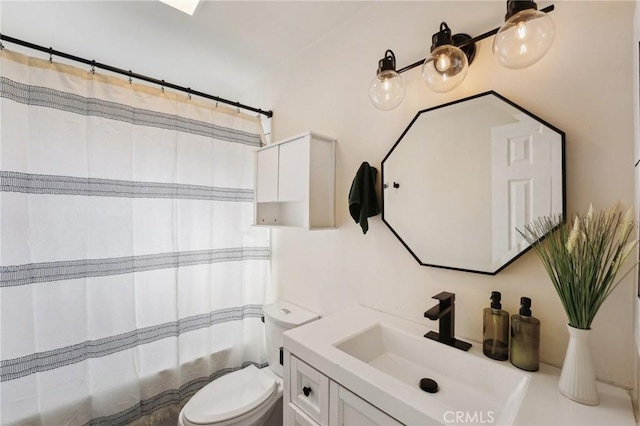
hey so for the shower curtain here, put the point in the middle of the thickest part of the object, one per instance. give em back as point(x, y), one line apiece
point(130, 273)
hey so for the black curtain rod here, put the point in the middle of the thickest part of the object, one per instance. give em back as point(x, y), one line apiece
point(131, 74)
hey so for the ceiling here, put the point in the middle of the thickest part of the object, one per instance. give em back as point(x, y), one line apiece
point(222, 49)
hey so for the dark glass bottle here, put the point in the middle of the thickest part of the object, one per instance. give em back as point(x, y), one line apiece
point(495, 329)
point(525, 338)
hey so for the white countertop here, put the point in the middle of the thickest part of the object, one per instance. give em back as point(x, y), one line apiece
point(542, 405)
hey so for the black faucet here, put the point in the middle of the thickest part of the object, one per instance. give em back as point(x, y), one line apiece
point(445, 312)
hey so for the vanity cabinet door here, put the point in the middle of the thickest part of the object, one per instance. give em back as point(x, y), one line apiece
point(348, 409)
point(298, 418)
point(309, 390)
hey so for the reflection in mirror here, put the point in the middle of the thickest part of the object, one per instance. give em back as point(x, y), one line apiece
point(464, 176)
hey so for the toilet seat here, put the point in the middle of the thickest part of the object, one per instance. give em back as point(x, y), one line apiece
point(230, 396)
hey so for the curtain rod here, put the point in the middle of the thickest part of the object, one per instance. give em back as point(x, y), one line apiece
point(131, 74)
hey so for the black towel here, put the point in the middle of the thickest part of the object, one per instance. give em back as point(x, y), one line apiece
point(363, 201)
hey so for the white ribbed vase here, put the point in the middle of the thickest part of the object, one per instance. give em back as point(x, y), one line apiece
point(578, 380)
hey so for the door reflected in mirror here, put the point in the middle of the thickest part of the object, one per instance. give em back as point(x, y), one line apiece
point(464, 176)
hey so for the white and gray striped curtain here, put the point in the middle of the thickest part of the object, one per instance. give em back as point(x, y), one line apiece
point(130, 273)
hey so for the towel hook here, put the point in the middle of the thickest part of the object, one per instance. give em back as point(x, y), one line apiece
point(396, 185)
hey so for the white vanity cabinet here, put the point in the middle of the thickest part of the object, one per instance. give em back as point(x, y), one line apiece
point(337, 359)
point(295, 182)
point(313, 399)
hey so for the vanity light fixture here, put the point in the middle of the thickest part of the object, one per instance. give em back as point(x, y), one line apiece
point(387, 88)
point(525, 37)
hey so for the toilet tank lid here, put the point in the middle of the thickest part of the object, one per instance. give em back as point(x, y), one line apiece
point(288, 315)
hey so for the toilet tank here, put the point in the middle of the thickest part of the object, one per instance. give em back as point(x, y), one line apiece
point(278, 318)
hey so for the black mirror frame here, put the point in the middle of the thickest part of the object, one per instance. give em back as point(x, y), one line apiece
point(502, 98)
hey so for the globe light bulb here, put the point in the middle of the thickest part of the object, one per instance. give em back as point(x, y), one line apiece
point(524, 39)
point(445, 68)
point(386, 90)
point(446, 65)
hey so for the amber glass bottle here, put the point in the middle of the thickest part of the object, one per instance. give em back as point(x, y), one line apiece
point(495, 329)
point(525, 338)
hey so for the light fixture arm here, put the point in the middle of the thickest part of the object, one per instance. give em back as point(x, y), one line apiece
point(468, 42)
point(442, 37)
point(388, 63)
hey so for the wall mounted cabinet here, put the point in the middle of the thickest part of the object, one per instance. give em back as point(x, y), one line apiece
point(295, 182)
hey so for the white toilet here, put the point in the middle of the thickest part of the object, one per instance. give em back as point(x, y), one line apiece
point(250, 396)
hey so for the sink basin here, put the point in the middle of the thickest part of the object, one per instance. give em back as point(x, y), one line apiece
point(472, 389)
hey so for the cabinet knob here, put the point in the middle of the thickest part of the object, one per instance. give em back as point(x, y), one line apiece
point(306, 390)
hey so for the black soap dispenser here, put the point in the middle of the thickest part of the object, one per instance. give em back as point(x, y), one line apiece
point(495, 330)
point(525, 338)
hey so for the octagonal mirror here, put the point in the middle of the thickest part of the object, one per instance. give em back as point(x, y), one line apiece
point(464, 176)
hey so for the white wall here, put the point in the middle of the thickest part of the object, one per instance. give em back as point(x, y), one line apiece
point(583, 87)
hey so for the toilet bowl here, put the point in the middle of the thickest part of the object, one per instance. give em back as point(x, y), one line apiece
point(250, 396)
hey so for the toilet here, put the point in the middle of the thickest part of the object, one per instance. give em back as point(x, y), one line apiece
point(250, 396)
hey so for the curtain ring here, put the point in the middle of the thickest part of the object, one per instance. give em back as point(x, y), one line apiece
point(50, 55)
point(216, 104)
point(162, 88)
point(1, 46)
point(93, 67)
point(130, 79)
point(189, 93)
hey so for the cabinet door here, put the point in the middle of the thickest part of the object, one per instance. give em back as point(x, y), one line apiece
point(293, 180)
point(298, 418)
point(267, 175)
point(309, 390)
point(347, 409)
